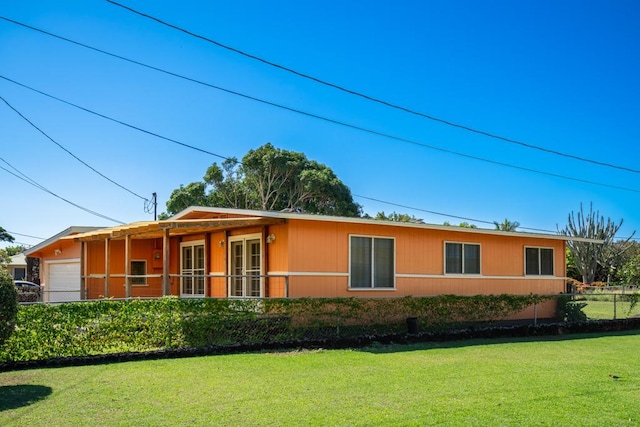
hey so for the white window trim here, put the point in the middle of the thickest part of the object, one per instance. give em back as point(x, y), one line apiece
point(146, 283)
point(463, 274)
point(524, 253)
point(244, 238)
point(372, 288)
point(192, 243)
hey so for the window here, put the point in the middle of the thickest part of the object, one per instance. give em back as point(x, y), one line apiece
point(372, 261)
point(19, 273)
point(538, 261)
point(192, 270)
point(139, 268)
point(462, 258)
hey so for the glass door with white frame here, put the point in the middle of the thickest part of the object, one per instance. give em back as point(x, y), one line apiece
point(192, 270)
point(245, 266)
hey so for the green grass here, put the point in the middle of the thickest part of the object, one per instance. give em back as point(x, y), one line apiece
point(604, 309)
point(559, 381)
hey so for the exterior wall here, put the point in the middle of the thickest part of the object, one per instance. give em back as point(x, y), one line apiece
point(60, 252)
point(319, 264)
point(311, 259)
point(141, 250)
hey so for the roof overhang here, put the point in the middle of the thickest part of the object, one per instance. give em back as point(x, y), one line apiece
point(53, 239)
point(156, 229)
point(214, 212)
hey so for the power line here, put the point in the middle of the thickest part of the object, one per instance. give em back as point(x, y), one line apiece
point(147, 206)
point(294, 110)
point(114, 120)
point(286, 108)
point(374, 99)
point(329, 120)
point(30, 181)
point(25, 235)
point(443, 214)
point(69, 152)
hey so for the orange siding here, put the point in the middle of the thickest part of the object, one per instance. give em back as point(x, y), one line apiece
point(315, 257)
point(322, 248)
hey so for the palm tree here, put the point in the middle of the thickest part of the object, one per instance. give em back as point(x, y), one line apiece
point(506, 225)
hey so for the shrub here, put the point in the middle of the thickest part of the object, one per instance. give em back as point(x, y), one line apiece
point(45, 331)
point(8, 306)
point(570, 310)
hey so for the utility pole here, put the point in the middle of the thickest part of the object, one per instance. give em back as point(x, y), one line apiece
point(154, 202)
point(154, 196)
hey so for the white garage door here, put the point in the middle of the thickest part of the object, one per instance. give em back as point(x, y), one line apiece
point(63, 282)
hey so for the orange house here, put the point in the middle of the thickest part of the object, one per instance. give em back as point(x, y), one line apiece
point(228, 253)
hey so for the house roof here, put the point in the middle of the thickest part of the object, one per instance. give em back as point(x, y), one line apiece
point(214, 212)
point(197, 219)
point(17, 260)
point(155, 229)
point(69, 231)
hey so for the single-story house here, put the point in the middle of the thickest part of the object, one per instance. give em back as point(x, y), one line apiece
point(228, 253)
point(17, 267)
point(60, 265)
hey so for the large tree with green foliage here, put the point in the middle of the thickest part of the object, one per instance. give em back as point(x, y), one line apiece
point(268, 178)
point(590, 257)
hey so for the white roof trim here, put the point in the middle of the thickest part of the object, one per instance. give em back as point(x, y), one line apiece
point(53, 239)
point(354, 220)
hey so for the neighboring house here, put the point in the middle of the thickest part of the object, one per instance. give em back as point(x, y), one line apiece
point(18, 267)
point(230, 253)
point(60, 265)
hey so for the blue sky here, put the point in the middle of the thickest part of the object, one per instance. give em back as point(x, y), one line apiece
point(562, 75)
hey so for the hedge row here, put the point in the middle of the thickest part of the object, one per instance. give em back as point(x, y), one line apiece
point(47, 331)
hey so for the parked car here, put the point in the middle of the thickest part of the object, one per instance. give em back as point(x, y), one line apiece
point(28, 291)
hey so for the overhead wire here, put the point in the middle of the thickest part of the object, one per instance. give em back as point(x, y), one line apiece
point(20, 175)
point(25, 235)
point(289, 109)
point(374, 99)
point(230, 158)
point(69, 152)
point(294, 110)
point(337, 122)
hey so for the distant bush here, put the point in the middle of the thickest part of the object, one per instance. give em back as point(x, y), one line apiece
point(8, 306)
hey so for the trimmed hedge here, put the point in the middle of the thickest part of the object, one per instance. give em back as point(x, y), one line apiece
point(46, 331)
point(8, 305)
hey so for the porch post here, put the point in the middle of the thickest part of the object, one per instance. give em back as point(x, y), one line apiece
point(127, 266)
point(107, 263)
point(166, 280)
point(83, 283)
point(207, 255)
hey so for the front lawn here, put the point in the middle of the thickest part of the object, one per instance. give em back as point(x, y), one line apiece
point(555, 381)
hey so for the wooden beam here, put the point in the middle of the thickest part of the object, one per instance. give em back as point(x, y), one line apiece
point(127, 266)
point(83, 269)
point(166, 258)
point(107, 264)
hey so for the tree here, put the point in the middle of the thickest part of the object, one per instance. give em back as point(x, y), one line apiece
point(462, 224)
point(397, 217)
point(4, 254)
point(268, 178)
point(591, 257)
point(506, 225)
point(5, 236)
point(8, 305)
